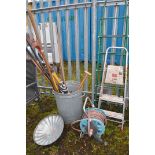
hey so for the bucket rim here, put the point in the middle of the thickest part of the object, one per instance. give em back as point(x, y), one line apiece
point(72, 93)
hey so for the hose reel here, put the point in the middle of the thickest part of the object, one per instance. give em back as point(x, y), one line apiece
point(93, 121)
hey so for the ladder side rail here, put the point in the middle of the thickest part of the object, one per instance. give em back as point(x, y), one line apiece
point(105, 67)
point(126, 73)
point(103, 77)
point(125, 87)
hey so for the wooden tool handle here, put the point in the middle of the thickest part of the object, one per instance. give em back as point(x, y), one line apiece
point(61, 63)
point(34, 27)
point(84, 78)
point(88, 73)
point(39, 47)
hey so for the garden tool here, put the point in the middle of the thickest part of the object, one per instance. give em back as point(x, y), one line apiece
point(48, 72)
point(61, 87)
point(40, 68)
point(86, 73)
point(34, 56)
point(61, 63)
point(34, 27)
point(58, 84)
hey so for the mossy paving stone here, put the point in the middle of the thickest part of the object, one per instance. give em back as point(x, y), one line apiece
point(70, 143)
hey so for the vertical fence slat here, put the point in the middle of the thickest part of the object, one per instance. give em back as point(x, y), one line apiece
point(127, 31)
point(124, 40)
point(44, 34)
point(114, 32)
point(51, 30)
point(86, 44)
point(93, 47)
point(127, 27)
point(77, 43)
point(105, 13)
point(114, 43)
point(59, 30)
point(105, 24)
point(43, 29)
point(68, 43)
point(101, 48)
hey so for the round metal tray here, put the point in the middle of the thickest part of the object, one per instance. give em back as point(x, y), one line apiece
point(48, 130)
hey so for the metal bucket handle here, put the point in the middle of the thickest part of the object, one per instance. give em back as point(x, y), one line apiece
point(84, 94)
point(84, 106)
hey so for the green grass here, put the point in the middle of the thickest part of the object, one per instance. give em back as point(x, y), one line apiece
point(115, 141)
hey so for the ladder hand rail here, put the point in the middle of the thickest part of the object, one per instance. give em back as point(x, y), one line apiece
point(105, 63)
point(115, 47)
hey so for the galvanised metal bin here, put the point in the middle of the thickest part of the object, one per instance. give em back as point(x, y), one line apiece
point(70, 105)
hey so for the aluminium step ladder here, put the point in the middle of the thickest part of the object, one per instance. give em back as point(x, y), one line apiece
point(114, 75)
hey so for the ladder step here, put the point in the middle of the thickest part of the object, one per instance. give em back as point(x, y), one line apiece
point(114, 114)
point(112, 98)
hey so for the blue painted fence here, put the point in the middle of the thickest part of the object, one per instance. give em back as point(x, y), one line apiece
point(81, 28)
